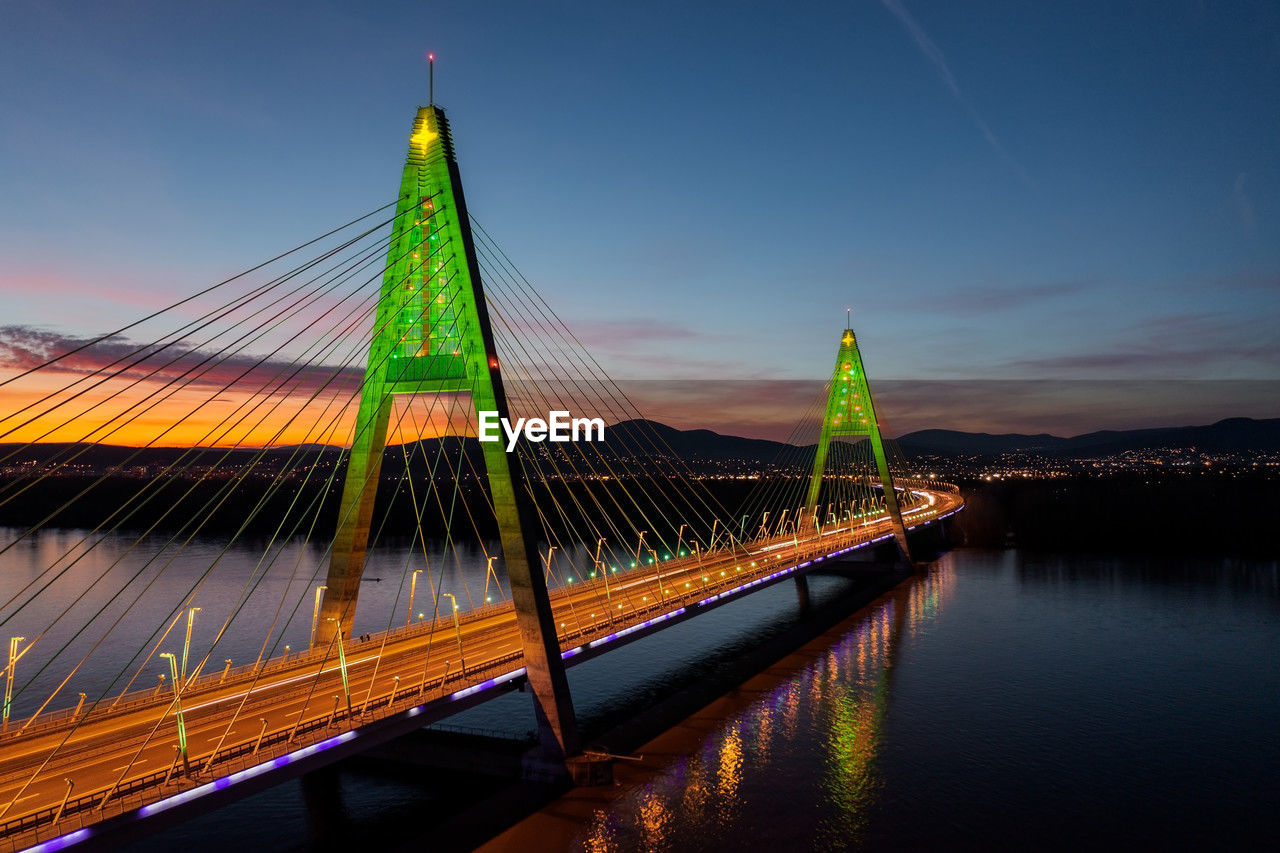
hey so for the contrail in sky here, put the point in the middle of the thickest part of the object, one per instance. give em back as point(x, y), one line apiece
point(939, 60)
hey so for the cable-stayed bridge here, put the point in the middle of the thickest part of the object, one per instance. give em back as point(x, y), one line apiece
point(387, 336)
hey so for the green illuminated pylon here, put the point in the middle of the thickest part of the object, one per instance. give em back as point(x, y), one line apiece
point(432, 336)
point(851, 412)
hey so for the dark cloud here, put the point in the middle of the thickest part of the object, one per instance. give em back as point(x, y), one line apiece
point(25, 348)
point(997, 298)
point(1184, 345)
point(1115, 360)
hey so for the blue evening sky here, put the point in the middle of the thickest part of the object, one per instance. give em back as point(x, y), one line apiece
point(1016, 190)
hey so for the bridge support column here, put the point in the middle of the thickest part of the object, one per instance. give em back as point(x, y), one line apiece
point(850, 411)
point(322, 795)
point(432, 336)
point(802, 592)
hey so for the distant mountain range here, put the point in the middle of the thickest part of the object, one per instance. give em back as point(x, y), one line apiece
point(1233, 434)
point(642, 438)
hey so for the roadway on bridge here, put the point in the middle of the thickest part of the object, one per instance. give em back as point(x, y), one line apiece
point(109, 748)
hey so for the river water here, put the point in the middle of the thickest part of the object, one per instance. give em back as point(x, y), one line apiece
point(1001, 700)
point(1004, 701)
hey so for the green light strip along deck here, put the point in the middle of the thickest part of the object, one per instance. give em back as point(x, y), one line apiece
point(432, 336)
point(850, 411)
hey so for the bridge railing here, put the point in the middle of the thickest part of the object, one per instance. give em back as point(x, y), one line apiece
point(569, 637)
point(927, 485)
point(88, 809)
point(245, 673)
point(234, 676)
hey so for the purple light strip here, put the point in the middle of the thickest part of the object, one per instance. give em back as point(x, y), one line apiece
point(242, 775)
point(485, 685)
point(258, 769)
point(62, 841)
point(625, 631)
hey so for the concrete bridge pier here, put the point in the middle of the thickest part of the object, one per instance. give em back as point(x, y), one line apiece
point(930, 541)
point(802, 592)
point(322, 795)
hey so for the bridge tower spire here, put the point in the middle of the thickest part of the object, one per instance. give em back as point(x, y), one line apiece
point(850, 411)
point(432, 336)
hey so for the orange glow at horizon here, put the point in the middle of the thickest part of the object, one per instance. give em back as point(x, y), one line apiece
point(53, 409)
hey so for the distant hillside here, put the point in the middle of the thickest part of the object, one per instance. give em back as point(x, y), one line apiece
point(110, 455)
point(949, 442)
point(1231, 435)
point(639, 438)
point(692, 444)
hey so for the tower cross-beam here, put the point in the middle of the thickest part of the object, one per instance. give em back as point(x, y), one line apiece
point(850, 411)
point(432, 336)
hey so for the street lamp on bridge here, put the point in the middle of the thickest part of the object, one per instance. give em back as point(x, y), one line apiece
point(657, 567)
point(413, 589)
point(177, 710)
point(186, 644)
point(782, 522)
point(8, 676)
point(600, 567)
point(342, 664)
point(457, 629)
point(490, 573)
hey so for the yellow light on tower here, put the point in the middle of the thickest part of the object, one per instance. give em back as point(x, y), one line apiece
point(423, 136)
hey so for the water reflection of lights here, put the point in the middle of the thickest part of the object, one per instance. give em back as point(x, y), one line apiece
point(730, 770)
point(813, 737)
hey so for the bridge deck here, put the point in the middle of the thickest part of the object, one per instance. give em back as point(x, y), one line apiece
point(122, 758)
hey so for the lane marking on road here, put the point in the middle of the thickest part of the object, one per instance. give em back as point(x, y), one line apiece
point(262, 688)
point(127, 766)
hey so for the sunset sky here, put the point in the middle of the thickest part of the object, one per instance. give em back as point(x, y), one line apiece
point(1046, 217)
